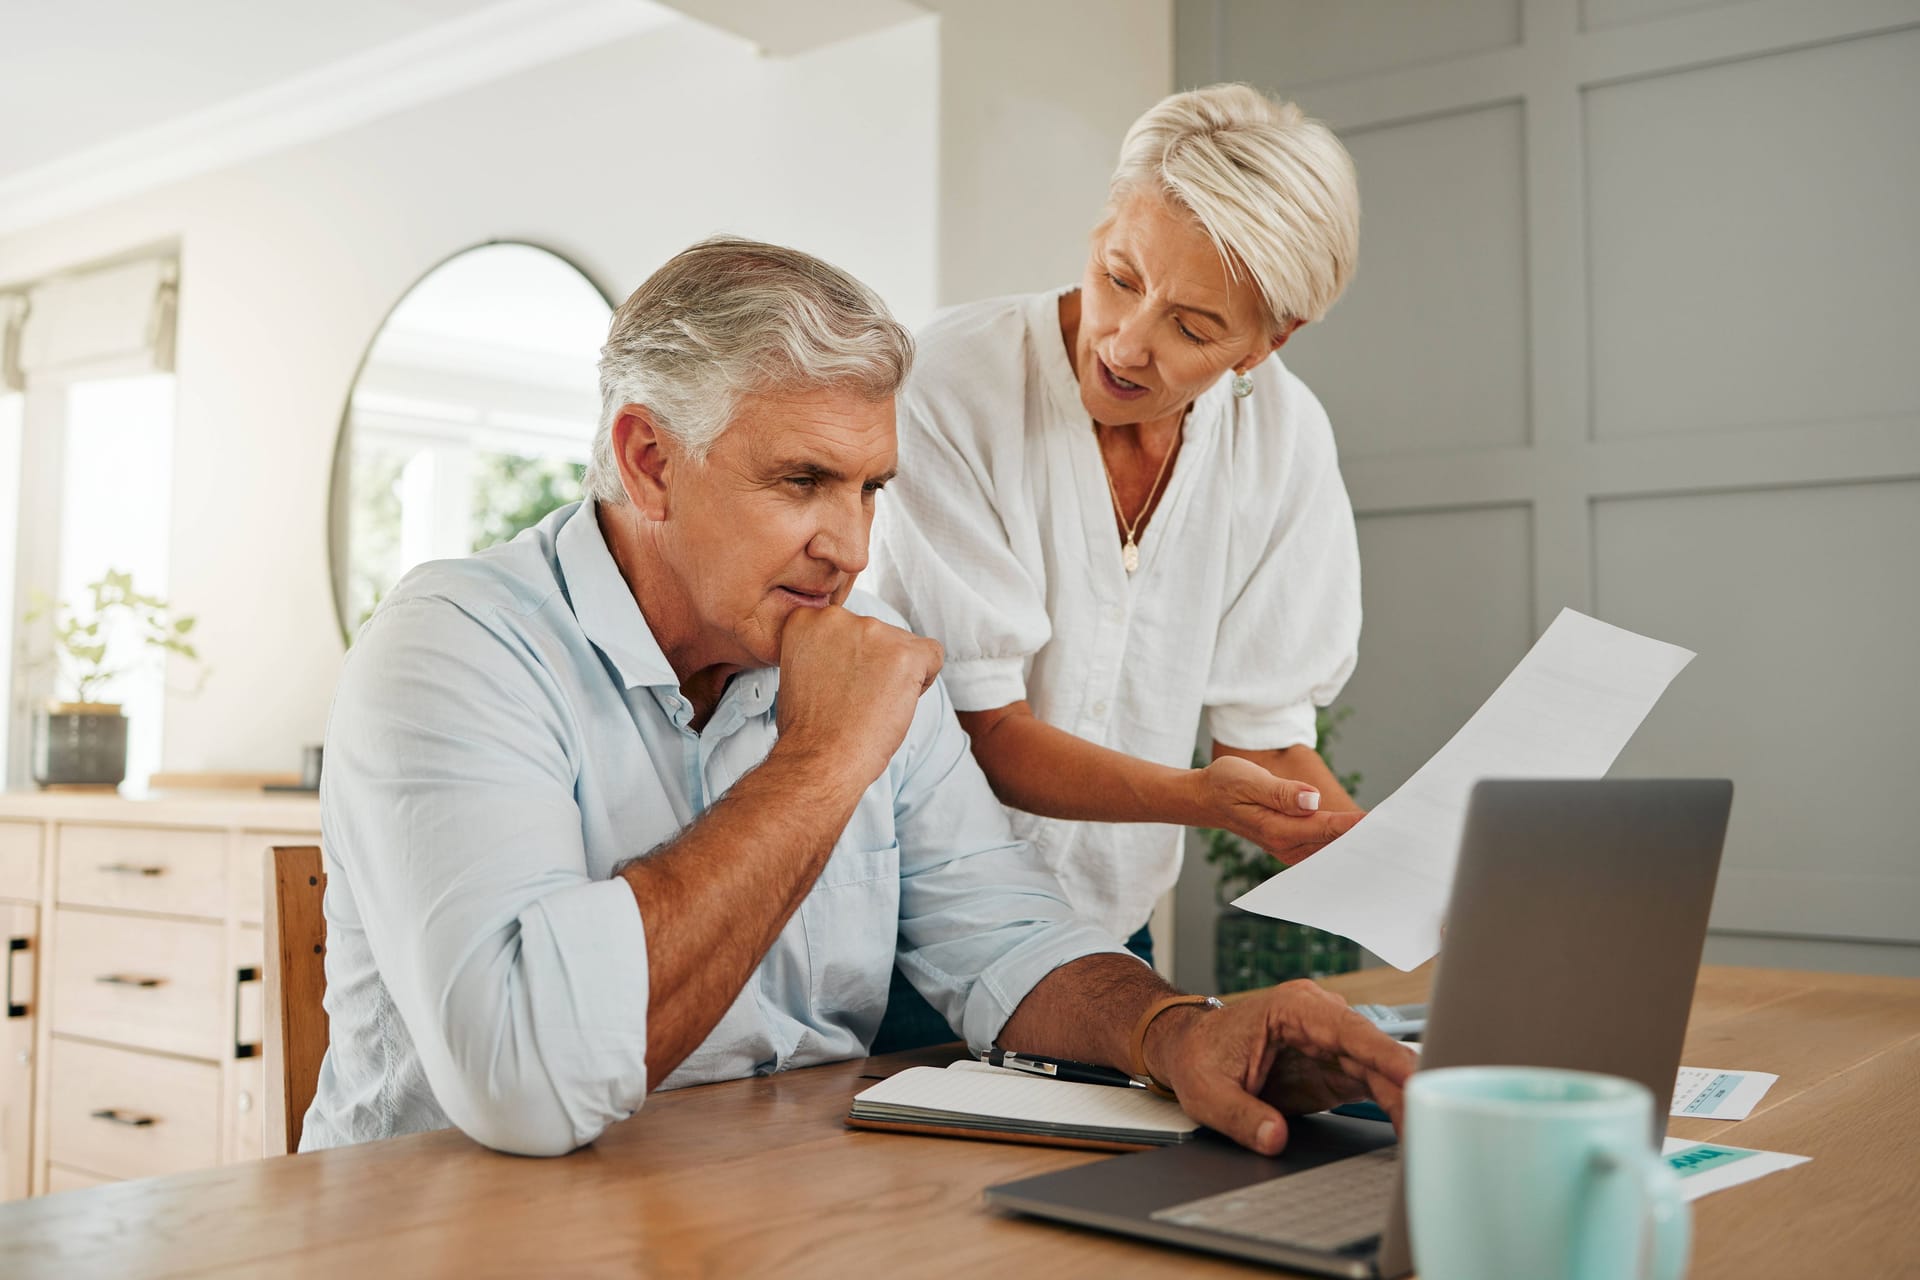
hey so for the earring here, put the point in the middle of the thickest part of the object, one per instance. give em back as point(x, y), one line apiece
point(1242, 385)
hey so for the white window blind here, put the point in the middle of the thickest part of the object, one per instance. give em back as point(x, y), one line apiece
point(119, 317)
point(13, 310)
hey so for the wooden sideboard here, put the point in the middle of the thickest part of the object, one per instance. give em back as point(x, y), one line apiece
point(133, 933)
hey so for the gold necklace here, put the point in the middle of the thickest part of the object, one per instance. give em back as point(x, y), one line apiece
point(1130, 549)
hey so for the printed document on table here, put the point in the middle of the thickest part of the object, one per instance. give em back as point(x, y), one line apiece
point(1706, 1167)
point(1565, 712)
point(1707, 1093)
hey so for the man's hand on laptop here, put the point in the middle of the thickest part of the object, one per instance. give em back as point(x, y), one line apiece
point(1291, 1050)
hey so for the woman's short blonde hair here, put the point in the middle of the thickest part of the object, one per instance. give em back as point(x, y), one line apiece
point(1274, 190)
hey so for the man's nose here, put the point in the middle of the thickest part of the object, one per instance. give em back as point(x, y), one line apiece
point(842, 537)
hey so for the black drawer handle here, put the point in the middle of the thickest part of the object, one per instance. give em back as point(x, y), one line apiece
point(129, 869)
point(241, 1049)
point(132, 1119)
point(14, 947)
point(128, 980)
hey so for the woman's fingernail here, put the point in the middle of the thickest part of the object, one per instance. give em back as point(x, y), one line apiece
point(1264, 1138)
point(1309, 800)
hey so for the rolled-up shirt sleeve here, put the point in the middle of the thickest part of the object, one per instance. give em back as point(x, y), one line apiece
point(1290, 634)
point(982, 920)
point(522, 982)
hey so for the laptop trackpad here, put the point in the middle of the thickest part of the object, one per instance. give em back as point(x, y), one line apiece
point(1139, 1184)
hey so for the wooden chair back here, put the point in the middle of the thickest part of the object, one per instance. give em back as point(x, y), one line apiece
point(296, 980)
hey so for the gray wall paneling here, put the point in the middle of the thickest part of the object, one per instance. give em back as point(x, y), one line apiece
point(1666, 376)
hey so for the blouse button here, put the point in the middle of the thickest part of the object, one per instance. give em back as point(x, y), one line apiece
point(1100, 708)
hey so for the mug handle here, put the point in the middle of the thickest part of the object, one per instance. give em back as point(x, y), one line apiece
point(1662, 1207)
point(1667, 1215)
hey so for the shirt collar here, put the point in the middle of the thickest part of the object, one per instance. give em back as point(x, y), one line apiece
point(1043, 322)
point(604, 605)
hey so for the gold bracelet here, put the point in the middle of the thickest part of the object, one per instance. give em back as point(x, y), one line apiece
point(1137, 1058)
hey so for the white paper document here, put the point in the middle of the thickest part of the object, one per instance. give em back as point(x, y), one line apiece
point(1707, 1093)
point(1706, 1167)
point(1565, 712)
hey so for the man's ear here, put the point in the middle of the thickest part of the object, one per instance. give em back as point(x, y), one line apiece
point(640, 452)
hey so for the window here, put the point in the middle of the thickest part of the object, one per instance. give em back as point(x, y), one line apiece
point(113, 515)
point(86, 474)
point(10, 406)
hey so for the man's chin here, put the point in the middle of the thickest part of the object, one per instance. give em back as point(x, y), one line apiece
point(765, 642)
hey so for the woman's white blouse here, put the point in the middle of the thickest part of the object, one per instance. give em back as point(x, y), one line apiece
point(998, 539)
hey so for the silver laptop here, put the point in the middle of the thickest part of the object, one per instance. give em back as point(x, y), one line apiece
point(1574, 932)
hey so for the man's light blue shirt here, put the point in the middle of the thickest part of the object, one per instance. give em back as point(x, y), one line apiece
point(505, 733)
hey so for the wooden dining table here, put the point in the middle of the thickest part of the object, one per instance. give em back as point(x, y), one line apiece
point(761, 1177)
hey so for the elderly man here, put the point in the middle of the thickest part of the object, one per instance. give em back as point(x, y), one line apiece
point(650, 796)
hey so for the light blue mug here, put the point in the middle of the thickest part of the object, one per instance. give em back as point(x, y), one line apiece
point(1529, 1173)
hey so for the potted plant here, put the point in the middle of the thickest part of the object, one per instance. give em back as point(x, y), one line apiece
point(1257, 951)
point(82, 741)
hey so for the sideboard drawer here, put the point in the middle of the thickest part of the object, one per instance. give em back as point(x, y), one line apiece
point(153, 984)
point(60, 1179)
point(123, 1114)
point(20, 860)
point(179, 872)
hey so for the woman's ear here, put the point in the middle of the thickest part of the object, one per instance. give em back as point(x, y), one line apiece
point(641, 455)
point(1277, 341)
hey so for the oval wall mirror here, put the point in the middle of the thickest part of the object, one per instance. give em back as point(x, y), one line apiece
point(470, 419)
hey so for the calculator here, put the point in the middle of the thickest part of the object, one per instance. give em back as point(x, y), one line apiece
point(1395, 1019)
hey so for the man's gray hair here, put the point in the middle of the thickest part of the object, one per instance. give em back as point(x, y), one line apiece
point(729, 318)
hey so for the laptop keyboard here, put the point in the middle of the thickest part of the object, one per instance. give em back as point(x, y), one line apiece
point(1339, 1207)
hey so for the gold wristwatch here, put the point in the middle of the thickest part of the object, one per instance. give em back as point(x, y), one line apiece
point(1137, 1059)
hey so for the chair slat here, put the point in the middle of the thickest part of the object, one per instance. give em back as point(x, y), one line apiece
point(296, 983)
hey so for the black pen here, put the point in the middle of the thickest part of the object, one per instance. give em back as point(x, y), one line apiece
point(1061, 1069)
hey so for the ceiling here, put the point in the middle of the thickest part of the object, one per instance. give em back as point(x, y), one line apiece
point(86, 71)
point(118, 96)
point(103, 98)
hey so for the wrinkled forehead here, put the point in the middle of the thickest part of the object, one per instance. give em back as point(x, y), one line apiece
point(829, 431)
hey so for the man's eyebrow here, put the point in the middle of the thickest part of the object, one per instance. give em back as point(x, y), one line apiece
point(1120, 256)
point(821, 471)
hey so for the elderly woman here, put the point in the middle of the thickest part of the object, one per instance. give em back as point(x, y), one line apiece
point(1117, 510)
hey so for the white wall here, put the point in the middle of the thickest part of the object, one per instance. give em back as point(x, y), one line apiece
point(1034, 99)
point(616, 158)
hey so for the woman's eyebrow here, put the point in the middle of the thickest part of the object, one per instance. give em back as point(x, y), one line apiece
point(1120, 257)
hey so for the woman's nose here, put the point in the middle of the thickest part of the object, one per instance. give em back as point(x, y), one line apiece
point(1129, 347)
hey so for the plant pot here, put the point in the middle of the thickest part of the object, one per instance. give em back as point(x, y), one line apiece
point(1253, 951)
point(80, 744)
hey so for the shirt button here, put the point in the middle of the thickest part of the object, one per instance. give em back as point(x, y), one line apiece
point(1114, 613)
point(1100, 708)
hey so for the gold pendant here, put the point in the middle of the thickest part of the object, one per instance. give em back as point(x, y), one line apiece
point(1130, 555)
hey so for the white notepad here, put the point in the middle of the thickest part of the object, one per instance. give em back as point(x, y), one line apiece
point(971, 1102)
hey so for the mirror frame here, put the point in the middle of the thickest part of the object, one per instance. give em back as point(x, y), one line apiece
point(341, 470)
